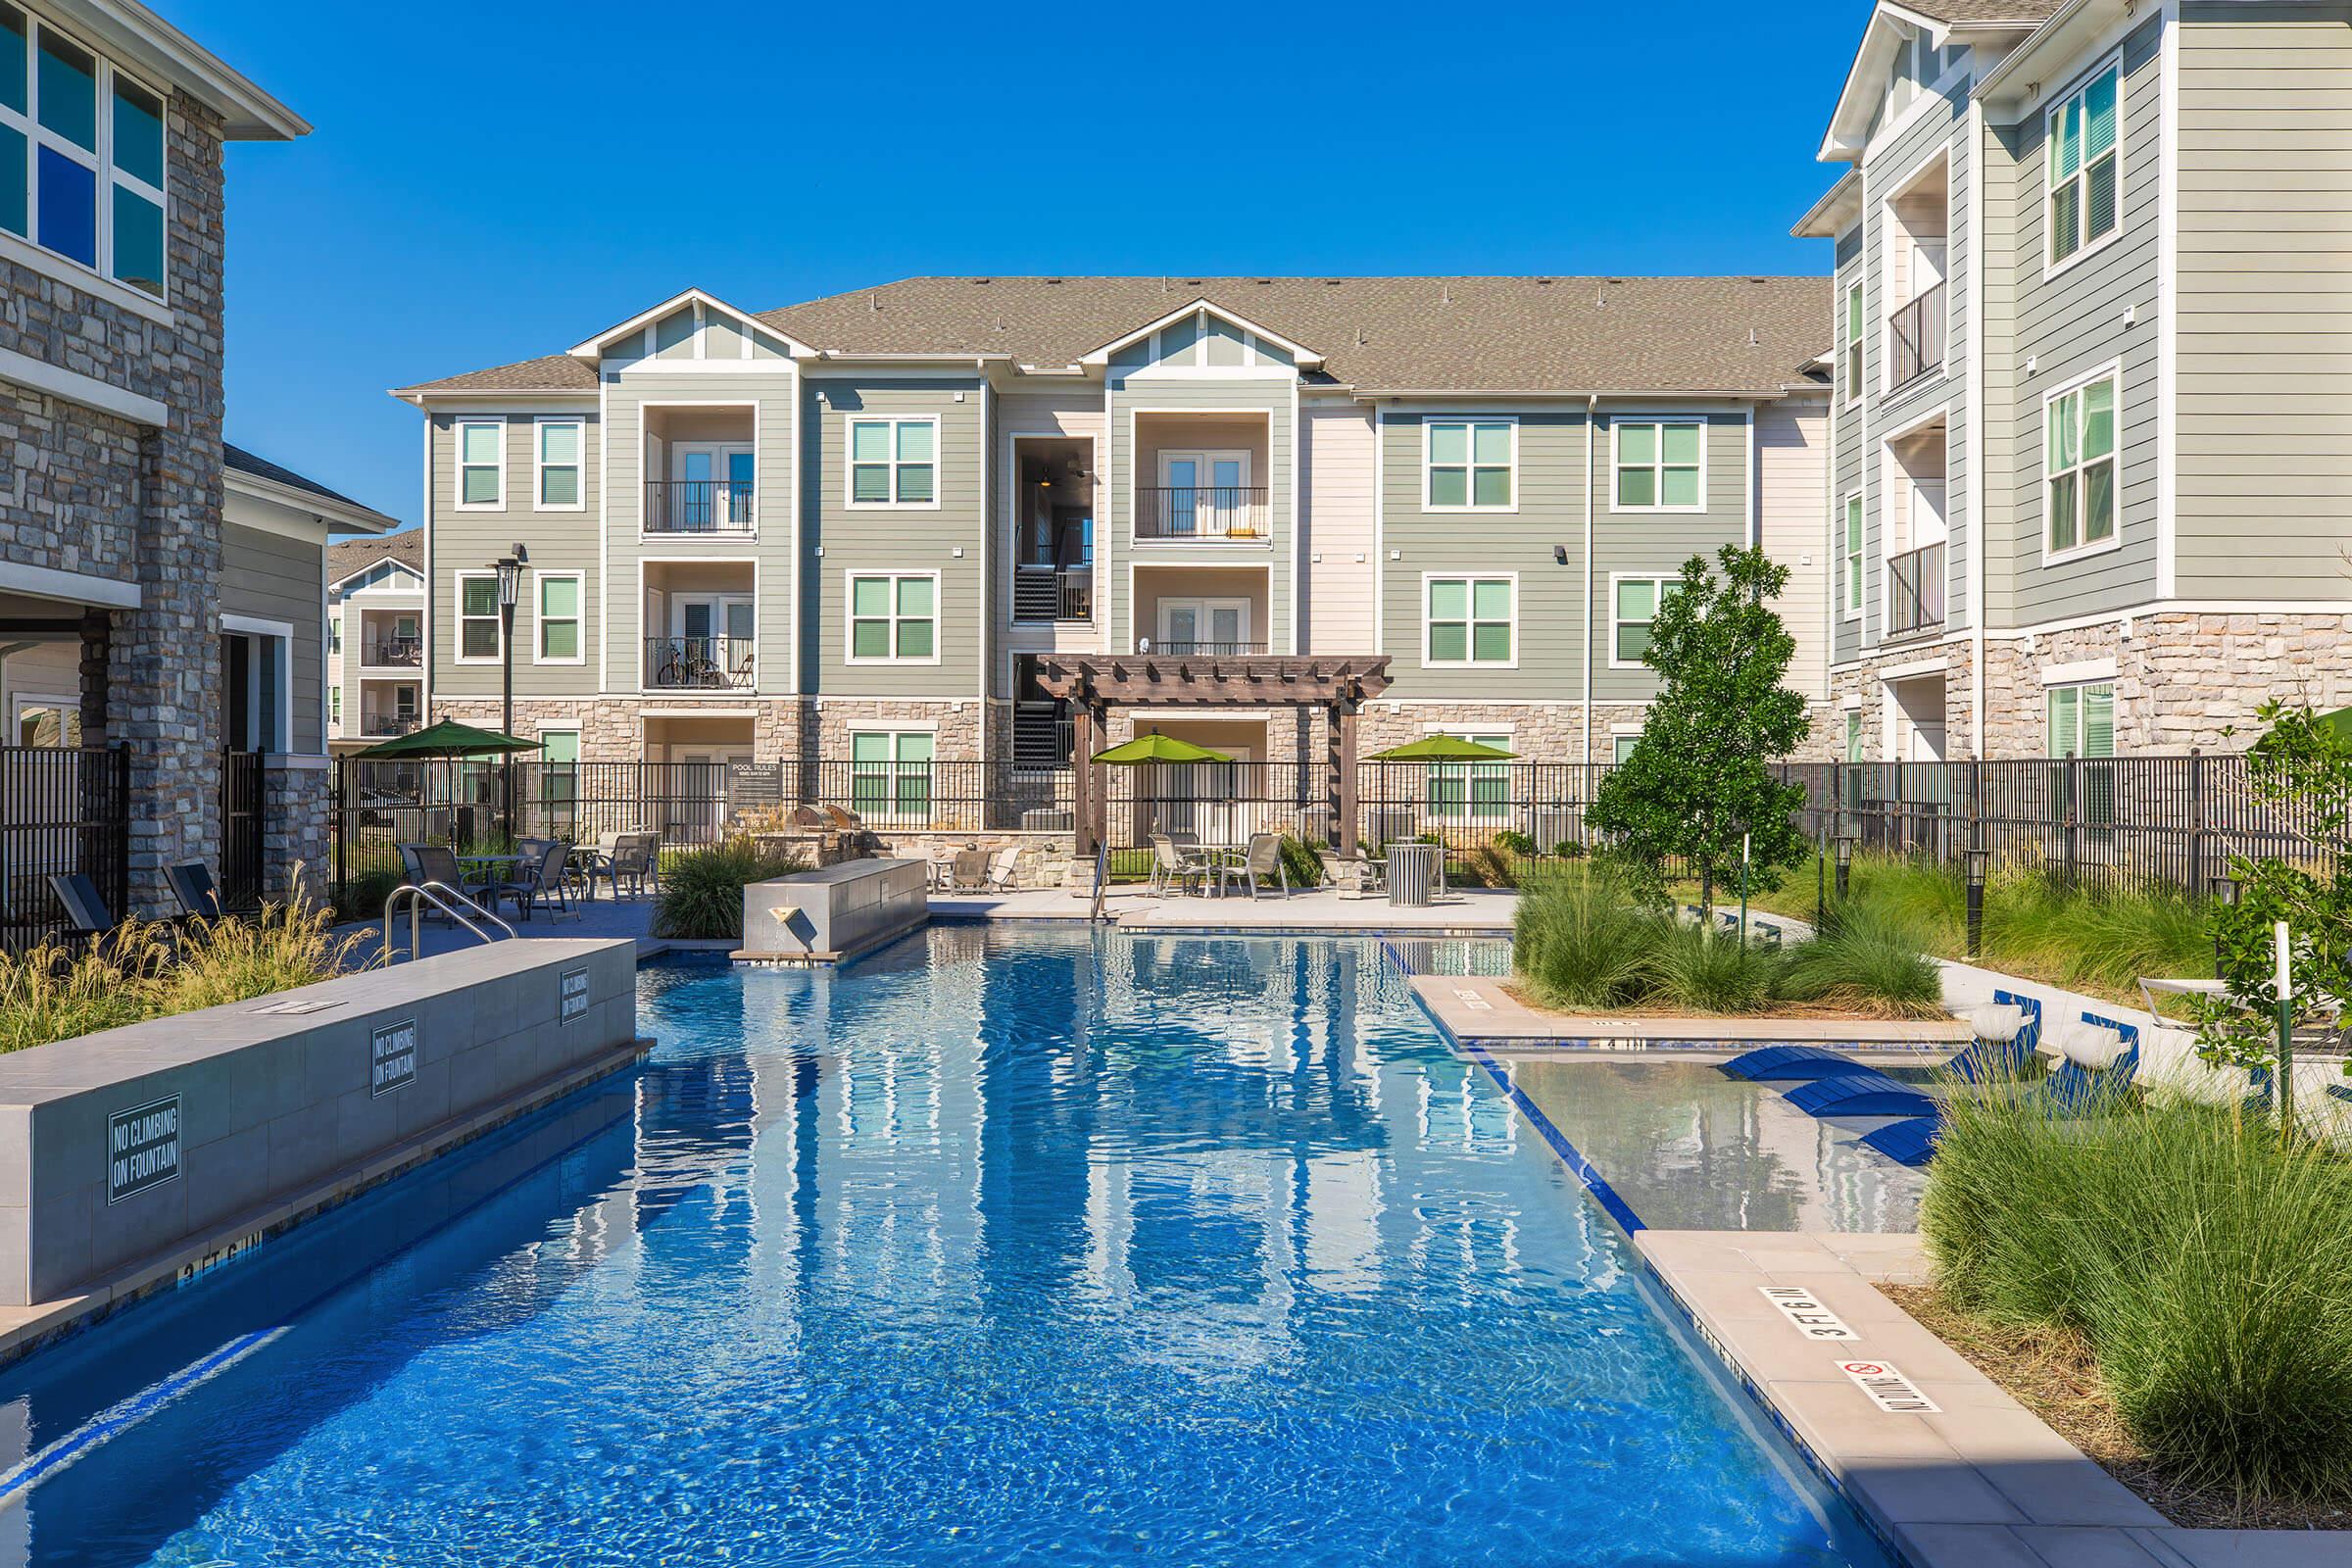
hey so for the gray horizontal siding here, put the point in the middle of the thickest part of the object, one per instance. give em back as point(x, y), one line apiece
point(273, 578)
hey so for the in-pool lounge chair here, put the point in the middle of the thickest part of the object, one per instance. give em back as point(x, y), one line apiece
point(2091, 1072)
point(2007, 1034)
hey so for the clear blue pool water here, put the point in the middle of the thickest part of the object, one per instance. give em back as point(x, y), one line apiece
point(1045, 1247)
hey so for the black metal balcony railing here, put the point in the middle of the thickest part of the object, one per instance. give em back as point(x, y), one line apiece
point(387, 724)
point(699, 506)
point(1043, 735)
point(1915, 337)
point(1174, 648)
point(699, 663)
point(392, 653)
point(1201, 511)
point(1915, 591)
point(1047, 593)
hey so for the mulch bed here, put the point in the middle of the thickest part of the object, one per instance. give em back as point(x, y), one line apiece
point(2053, 1375)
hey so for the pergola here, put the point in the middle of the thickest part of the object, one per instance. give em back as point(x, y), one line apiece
point(1095, 683)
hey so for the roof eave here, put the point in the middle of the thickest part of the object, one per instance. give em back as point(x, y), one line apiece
point(1100, 356)
point(136, 35)
point(2006, 89)
point(426, 392)
point(337, 511)
point(1848, 133)
point(1835, 212)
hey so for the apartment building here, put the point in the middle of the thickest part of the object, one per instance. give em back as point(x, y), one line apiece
point(2091, 488)
point(376, 639)
point(851, 529)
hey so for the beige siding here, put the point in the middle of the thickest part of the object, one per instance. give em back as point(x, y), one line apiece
point(1339, 529)
point(1792, 441)
point(2265, 367)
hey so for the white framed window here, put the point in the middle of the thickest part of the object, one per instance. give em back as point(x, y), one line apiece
point(1660, 466)
point(1471, 792)
point(1853, 735)
point(334, 706)
point(560, 447)
point(894, 462)
point(1470, 465)
point(1633, 605)
point(1621, 747)
point(2082, 165)
point(1471, 620)
point(894, 618)
point(558, 768)
point(1854, 339)
point(81, 155)
point(334, 633)
point(558, 596)
point(2079, 503)
point(479, 633)
point(890, 775)
point(2081, 719)
point(482, 465)
point(1852, 551)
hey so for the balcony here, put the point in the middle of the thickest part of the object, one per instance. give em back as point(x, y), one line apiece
point(1915, 591)
point(383, 726)
point(700, 663)
point(1915, 337)
point(392, 651)
point(722, 507)
point(1175, 648)
point(1187, 513)
point(1048, 593)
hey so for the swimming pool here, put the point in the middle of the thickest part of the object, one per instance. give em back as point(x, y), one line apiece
point(1054, 1246)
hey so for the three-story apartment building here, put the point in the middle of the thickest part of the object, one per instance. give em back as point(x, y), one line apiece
point(849, 529)
point(2089, 472)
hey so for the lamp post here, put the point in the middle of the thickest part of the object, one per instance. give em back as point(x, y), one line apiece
point(1979, 861)
point(1845, 864)
point(510, 586)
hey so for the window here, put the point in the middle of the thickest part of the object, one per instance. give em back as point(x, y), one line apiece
point(1471, 620)
point(81, 155)
point(893, 616)
point(1659, 466)
point(559, 443)
point(2079, 207)
point(1853, 553)
point(2082, 720)
point(559, 769)
point(1473, 464)
point(559, 617)
point(1637, 604)
point(478, 639)
point(1853, 341)
point(482, 465)
point(1621, 747)
point(334, 706)
point(890, 775)
point(893, 462)
point(1853, 735)
point(334, 634)
point(1471, 792)
point(2078, 467)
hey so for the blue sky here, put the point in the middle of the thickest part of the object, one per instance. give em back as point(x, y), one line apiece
point(494, 181)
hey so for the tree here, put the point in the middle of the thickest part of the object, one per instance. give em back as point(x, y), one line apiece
point(1700, 778)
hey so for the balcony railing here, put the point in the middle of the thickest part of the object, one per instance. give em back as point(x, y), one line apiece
point(699, 663)
point(1915, 337)
point(387, 724)
point(1043, 735)
point(392, 653)
point(1915, 591)
point(1201, 511)
point(1173, 648)
point(699, 506)
point(1048, 593)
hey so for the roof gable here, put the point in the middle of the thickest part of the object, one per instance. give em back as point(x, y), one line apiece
point(1307, 358)
point(690, 299)
point(1890, 30)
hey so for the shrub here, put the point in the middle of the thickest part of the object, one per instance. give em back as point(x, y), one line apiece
point(1867, 959)
point(362, 897)
point(233, 959)
point(53, 992)
point(1513, 842)
point(1582, 941)
point(2105, 938)
point(1569, 849)
point(701, 889)
point(1714, 972)
point(1492, 865)
point(2200, 1260)
point(1302, 861)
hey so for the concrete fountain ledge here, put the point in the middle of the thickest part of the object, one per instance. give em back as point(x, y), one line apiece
point(136, 1156)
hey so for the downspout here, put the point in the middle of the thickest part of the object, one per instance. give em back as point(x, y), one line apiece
point(1592, 412)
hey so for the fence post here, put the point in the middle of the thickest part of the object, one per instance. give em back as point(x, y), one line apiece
point(1836, 799)
point(338, 849)
point(1976, 805)
point(2073, 822)
point(2197, 878)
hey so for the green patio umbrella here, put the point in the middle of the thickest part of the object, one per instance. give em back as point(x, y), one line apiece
point(1443, 749)
point(1158, 748)
point(449, 738)
point(2339, 721)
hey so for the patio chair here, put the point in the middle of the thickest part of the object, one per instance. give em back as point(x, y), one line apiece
point(521, 881)
point(621, 858)
point(193, 885)
point(1263, 859)
point(437, 863)
point(86, 914)
point(1172, 865)
point(1000, 868)
point(970, 872)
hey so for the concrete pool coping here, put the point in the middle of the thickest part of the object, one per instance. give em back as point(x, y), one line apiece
point(1482, 1009)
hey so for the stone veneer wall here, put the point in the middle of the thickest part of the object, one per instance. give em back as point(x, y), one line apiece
point(294, 826)
point(88, 493)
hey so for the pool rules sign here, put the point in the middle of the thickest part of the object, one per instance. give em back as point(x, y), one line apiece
point(392, 1057)
point(143, 1147)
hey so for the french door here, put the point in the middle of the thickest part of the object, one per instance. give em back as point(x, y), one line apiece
point(1207, 494)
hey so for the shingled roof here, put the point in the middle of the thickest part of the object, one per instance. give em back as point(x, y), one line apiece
point(1391, 334)
point(2026, 11)
point(345, 557)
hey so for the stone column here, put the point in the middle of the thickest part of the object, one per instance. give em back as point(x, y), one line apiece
point(294, 826)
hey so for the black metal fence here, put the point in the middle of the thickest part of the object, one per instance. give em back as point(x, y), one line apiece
point(2165, 821)
point(244, 818)
point(62, 809)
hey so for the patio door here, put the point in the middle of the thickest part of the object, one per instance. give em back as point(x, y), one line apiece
point(1213, 627)
point(1207, 493)
point(713, 488)
point(712, 634)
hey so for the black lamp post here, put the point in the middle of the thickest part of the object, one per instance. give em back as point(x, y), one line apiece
point(1978, 863)
point(509, 587)
point(1845, 864)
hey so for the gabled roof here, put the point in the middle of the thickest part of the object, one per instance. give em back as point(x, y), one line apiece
point(1101, 351)
point(593, 348)
point(347, 559)
point(280, 483)
point(1944, 21)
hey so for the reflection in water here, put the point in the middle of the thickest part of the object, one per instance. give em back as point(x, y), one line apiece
point(994, 1247)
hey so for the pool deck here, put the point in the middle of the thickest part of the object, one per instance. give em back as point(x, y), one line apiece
point(1321, 911)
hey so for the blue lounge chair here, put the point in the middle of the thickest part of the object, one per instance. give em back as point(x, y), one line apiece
point(2074, 1089)
point(1974, 1063)
point(1863, 1092)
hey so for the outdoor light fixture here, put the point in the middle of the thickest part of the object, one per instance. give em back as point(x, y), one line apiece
point(1559, 554)
point(510, 588)
point(1845, 864)
point(1979, 861)
point(2226, 891)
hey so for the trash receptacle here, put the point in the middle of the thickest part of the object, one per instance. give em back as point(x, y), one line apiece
point(1413, 874)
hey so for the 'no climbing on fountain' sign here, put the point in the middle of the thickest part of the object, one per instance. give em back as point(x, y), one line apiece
point(393, 1058)
point(143, 1147)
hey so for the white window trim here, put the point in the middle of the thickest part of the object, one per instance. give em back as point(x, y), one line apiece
point(1853, 374)
point(1470, 623)
point(1661, 578)
point(1428, 424)
point(1617, 426)
point(457, 431)
point(891, 769)
point(849, 464)
point(1851, 589)
point(2112, 370)
point(2115, 716)
point(540, 464)
point(100, 160)
point(579, 617)
point(849, 620)
point(458, 620)
point(2114, 61)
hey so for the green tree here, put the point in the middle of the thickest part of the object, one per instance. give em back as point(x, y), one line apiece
point(1700, 777)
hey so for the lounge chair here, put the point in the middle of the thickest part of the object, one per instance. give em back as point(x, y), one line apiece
point(86, 914)
point(2007, 1034)
point(2097, 1064)
point(193, 885)
point(1002, 866)
point(970, 873)
point(1262, 859)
